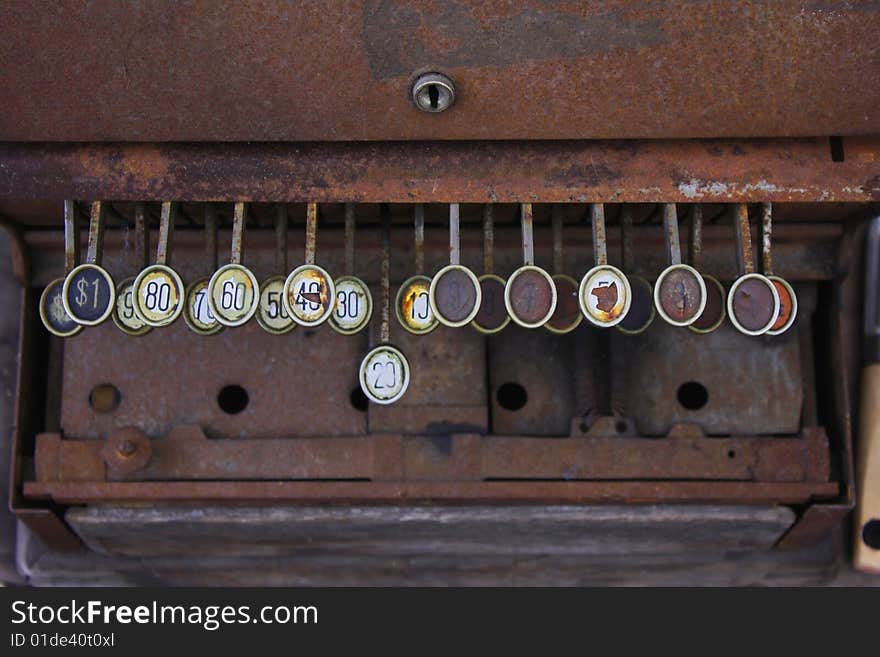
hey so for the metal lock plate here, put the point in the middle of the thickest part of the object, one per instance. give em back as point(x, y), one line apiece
point(454, 295)
point(605, 295)
point(384, 374)
point(492, 315)
point(641, 308)
point(52, 312)
point(413, 307)
point(271, 313)
point(124, 315)
point(88, 294)
point(309, 295)
point(354, 305)
point(714, 313)
point(158, 295)
point(197, 311)
point(530, 296)
point(753, 304)
point(680, 295)
point(233, 294)
point(788, 306)
point(567, 315)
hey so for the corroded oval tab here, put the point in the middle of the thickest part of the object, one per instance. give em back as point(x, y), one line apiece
point(89, 294)
point(309, 295)
point(124, 315)
point(354, 305)
point(605, 295)
point(753, 304)
point(454, 295)
point(384, 374)
point(272, 314)
point(52, 312)
point(233, 294)
point(680, 295)
point(413, 307)
point(493, 315)
point(197, 311)
point(530, 296)
point(158, 295)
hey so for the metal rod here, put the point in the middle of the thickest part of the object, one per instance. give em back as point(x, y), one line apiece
point(71, 236)
point(626, 239)
point(600, 247)
point(767, 239)
point(419, 215)
point(166, 231)
point(488, 239)
point(695, 237)
point(349, 239)
point(96, 233)
point(385, 305)
point(141, 236)
point(556, 222)
point(238, 220)
point(311, 232)
point(211, 236)
point(742, 232)
point(454, 235)
point(281, 238)
point(670, 225)
point(528, 241)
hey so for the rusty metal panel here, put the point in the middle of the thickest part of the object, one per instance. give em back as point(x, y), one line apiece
point(662, 171)
point(316, 70)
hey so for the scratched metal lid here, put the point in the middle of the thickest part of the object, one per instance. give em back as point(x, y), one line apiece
point(309, 295)
point(567, 316)
point(413, 306)
point(354, 305)
point(714, 313)
point(605, 295)
point(124, 315)
point(788, 306)
point(530, 296)
point(89, 294)
point(454, 295)
point(641, 308)
point(158, 295)
point(492, 315)
point(52, 312)
point(753, 304)
point(680, 295)
point(384, 374)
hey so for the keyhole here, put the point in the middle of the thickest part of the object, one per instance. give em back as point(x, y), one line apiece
point(433, 96)
point(433, 92)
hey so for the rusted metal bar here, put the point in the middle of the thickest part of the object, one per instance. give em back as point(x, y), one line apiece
point(528, 240)
point(96, 233)
point(556, 227)
point(742, 233)
point(454, 235)
point(695, 237)
point(488, 239)
point(419, 247)
point(311, 232)
point(670, 227)
point(766, 239)
point(385, 300)
point(239, 217)
point(600, 247)
point(663, 171)
point(141, 236)
point(626, 240)
point(281, 238)
point(349, 239)
point(211, 257)
point(166, 231)
point(71, 236)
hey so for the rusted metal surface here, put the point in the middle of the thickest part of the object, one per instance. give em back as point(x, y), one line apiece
point(187, 454)
point(600, 248)
point(455, 172)
point(552, 492)
point(528, 239)
point(488, 239)
point(524, 70)
point(71, 237)
point(311, 232)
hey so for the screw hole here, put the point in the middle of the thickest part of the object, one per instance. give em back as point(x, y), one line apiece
point(358, 399)
point(837, 153)
point(232, 399)
point(693, 395)
point(621, 426)
point(511, 396)
point(731, 454)
point(104, 398)
point(871, 534)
